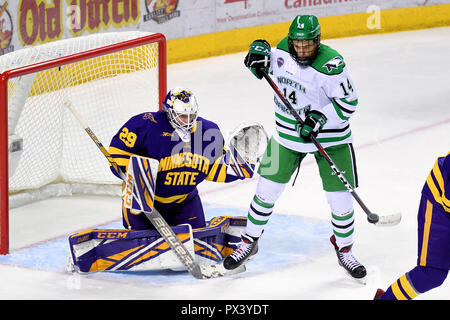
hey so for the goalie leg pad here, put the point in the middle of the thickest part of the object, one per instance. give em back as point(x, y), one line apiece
point(218, 239)
point(144, 250)
point(126, 250)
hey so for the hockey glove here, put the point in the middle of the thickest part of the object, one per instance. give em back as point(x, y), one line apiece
point(258, 57)
point(314, 121)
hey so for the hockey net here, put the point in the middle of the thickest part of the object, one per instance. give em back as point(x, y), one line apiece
point(107, 78)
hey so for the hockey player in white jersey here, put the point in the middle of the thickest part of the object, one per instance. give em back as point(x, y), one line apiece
point(315, 80)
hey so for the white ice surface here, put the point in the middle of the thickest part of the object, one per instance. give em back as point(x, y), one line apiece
point(401, 126)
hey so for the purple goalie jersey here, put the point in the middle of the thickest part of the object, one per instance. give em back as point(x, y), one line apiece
point(182, 165)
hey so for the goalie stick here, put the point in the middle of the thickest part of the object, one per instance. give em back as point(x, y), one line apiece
point(387, 220)
point(160, 224)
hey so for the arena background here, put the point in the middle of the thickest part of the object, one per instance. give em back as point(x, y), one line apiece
point(203, 28)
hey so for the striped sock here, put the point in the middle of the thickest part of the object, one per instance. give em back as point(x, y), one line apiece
point(414, 282)
point(258, 215)
point(343, 228)
point(401, 289)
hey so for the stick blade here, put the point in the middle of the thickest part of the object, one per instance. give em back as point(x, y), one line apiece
point(218, 270)
point(389, 220)
point(197, 272)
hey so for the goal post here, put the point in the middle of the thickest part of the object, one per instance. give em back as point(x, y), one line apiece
point(107, 77)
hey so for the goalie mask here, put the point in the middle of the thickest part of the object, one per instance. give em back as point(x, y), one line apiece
point(181, 108)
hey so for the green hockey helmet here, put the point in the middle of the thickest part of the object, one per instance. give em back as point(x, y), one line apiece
point(303, 29)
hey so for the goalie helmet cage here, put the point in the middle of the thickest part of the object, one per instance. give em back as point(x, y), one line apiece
point(107, 77)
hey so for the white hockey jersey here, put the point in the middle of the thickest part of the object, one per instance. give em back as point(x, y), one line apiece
point(324, 86)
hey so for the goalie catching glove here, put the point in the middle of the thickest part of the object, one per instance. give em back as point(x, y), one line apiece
point(258, 57)
point(246, 146)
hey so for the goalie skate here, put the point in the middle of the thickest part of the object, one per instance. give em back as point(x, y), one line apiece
point(348, 261)
point(245, 251)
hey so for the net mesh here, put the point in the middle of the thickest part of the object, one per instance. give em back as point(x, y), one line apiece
point(106, 91)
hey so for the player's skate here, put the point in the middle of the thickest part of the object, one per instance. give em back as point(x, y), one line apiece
point(245, 251)
point(378, 294)
point(348, 261)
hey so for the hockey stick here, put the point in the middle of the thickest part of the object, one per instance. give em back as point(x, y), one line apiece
point(160, 224)
point(388, 220)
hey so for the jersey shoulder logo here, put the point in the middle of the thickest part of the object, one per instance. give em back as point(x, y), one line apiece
point(149, 116)
point(333, 64)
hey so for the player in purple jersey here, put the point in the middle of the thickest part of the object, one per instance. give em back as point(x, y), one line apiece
point(433, 262)
point(190, 149)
